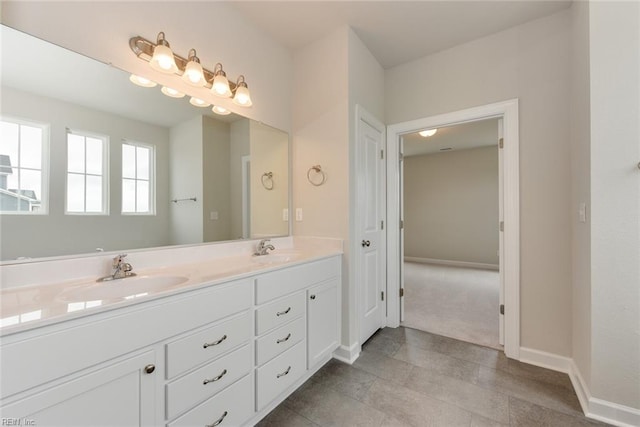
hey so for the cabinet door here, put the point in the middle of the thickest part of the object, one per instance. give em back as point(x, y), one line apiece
point(118, 394)
point(322, 326)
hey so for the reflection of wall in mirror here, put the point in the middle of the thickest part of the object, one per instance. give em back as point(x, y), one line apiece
point(269, 153)
point(239, 149)
point(60, 234)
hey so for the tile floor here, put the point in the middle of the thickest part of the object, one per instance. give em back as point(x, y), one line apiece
point(406, 377)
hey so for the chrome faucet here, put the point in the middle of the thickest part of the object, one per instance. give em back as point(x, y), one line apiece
point(121, 269)
point(263, 248)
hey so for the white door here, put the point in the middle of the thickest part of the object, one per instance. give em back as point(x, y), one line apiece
point(371, 243)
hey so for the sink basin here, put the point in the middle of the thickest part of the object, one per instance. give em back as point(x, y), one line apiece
point(275, 258)
point(128, 288)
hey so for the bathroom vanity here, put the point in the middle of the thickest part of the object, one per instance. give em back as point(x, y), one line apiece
point(217, 349)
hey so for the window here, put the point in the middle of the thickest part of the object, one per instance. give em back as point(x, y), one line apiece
point(138, 187)
point(87, 178)
point(23, 161)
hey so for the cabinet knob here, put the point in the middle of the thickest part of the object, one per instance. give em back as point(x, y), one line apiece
point(312, 297)
point(150, 368)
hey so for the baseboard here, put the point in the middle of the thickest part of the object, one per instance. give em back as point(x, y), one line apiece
point(347, 354)
point(602, 410)
point(594, 408)
point(453, 263)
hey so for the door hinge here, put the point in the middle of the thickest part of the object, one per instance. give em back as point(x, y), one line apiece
point(401, 292)
point(501, 308)
point(401, 157)
point(382, 296)
point(501, 225)
point(501, 142)
point(381, 225)
point(401, 224)
point(381, 154)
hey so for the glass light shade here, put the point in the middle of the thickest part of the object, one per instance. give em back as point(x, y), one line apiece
point(171, 92)
point(220, 86)
point(242, 97)
point(220, 110)
point(141, 81)
point(197, 102)
point(427, 133)
point(193, 74)
point(163, 60)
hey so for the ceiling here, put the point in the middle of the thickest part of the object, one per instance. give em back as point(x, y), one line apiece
point(395, 32)
point(464, 136)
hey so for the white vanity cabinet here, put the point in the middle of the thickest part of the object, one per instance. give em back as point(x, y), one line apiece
point(223, 354)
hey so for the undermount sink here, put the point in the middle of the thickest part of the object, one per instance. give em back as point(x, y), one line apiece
point(127, 288)
point(275, 258)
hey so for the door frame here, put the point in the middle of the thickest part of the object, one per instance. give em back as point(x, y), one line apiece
point(510, 237)
point(363, 115)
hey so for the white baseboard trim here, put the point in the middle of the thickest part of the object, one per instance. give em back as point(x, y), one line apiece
point(453, 263)
point(347, 354)
point(602, 410)
point(594, 408)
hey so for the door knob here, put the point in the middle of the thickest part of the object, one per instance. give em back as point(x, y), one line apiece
point(366, 243)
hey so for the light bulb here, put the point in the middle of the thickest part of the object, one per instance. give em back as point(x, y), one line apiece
point(171, 92)
point(193, 73)
point(197, 102)
point(242, 96)
point(220, 110)
point(141, 81)
point(220, 85)
point(162, 59)
point(428, 133)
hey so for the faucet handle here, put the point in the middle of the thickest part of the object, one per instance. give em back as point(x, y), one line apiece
point(118, 259)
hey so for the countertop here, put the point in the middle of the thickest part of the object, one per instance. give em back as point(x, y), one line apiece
point(33, 306)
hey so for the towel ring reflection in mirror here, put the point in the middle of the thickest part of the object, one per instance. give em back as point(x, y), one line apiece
point(267, 180)
point(318, 172)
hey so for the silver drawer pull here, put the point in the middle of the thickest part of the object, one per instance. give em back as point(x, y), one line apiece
point(213, 380)
point(284, 373)
point(282, 313)
point(209, 344)
point(218, 421)
point(283, 339)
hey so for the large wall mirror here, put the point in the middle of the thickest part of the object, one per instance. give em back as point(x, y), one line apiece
point(90, 162)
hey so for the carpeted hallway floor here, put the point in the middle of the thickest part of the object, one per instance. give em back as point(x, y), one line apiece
point(456, 302)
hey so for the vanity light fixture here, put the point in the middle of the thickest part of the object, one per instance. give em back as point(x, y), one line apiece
point(242, 96)
point(171, 92)
point(141, 81)
point(220, 85)
point(427, 133)
point(193, 73)
point(161, 58)
point(197, 102)
point(220, 110)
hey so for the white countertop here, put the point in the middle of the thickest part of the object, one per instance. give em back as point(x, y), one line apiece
point(32, 306)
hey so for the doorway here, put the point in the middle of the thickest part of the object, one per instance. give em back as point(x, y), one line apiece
point(509, 238)
point(450, 208)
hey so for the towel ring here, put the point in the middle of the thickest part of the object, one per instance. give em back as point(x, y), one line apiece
point(267, 180)
point(319, 171)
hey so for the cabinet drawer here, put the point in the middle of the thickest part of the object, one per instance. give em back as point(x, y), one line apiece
point(231, 407)
point(279, 312)
point(279, 374)
point(283, 338)
point(190, 351)
point(192, 388)
point(282, 282)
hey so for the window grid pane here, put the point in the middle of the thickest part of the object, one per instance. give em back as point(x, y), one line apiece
point(85, 177)
point(21, 164)
point(136, 178)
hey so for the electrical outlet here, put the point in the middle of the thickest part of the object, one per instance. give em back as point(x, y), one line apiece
point(298, 214)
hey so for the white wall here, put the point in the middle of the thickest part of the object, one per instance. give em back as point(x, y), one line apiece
point(615, 201)
point(101, 30)
point(239, 147)
point(529, 62)
point(185, 163)
point(580, 190)
point(50, 235)
point(451, 205)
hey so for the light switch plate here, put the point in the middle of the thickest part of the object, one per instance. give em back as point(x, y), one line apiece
point(285, 214)
point(298, 214)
